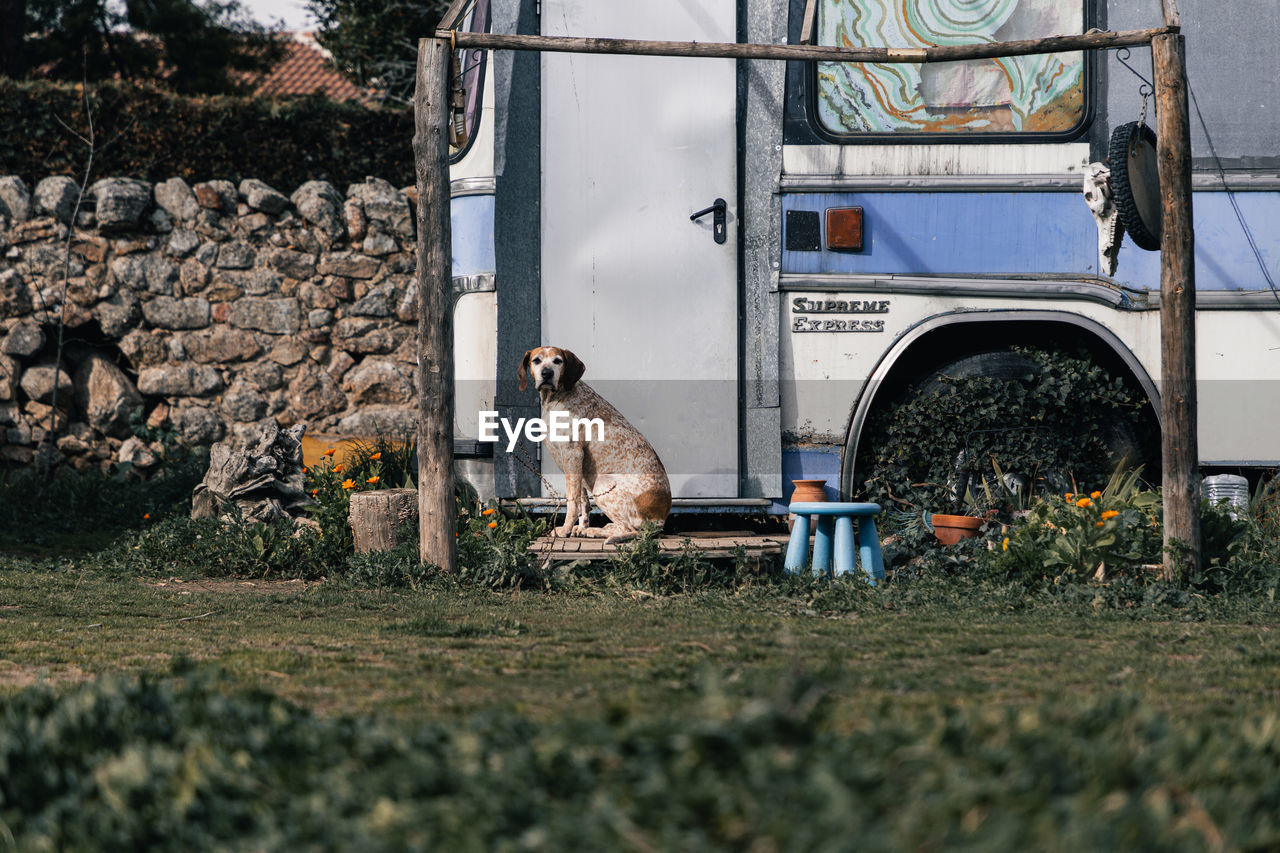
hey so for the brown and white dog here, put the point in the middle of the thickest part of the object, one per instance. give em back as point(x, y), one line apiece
point(619, 469)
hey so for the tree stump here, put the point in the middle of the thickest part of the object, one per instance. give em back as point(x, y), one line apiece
point(377, 517)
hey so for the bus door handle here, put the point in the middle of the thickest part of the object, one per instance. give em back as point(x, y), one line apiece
point(720, 208)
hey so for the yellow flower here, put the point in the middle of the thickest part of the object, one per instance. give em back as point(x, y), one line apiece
point(331, 451)
point(373, 480)
point(1095, 495)
point(493, 524)
point(1111, 513)
point(1004, 546)
point(1084, 503)
point(348, 484)
point(488, 511)
point(375, 457)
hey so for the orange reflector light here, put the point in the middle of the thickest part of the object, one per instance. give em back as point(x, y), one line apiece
point(844, 229)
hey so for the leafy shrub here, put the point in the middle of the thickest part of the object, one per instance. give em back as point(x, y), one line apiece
point(1244, 551)
point(77, 502)
point(1078, 537)
point(493, 546)
point(1118, 532)
point(145, 132)
point(174, 763)
point(385, 463)
point(234, 547)
point(399, 568)
point(1057, 421)
point(641, 564)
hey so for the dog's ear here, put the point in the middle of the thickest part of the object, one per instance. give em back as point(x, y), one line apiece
point(573, 370)
point(523, 373)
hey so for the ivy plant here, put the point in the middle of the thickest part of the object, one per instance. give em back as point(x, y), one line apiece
point(1058, 423)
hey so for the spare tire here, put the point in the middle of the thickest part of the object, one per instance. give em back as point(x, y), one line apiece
point(1135, 183)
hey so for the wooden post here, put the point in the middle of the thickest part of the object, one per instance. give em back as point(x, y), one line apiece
point(436, 508)
point(1177, 312)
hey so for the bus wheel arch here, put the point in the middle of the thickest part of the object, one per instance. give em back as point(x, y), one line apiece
point(978, 341)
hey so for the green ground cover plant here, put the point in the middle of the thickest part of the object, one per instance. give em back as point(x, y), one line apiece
point(179, 763)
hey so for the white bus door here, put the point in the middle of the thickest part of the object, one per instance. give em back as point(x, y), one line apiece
point(632, 146)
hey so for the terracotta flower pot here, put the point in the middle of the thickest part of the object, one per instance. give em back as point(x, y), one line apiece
point(809, 491)
point(950, 529)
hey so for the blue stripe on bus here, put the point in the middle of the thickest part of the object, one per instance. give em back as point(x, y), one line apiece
point(1033, 233)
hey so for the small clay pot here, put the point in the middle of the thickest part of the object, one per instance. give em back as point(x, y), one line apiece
point(809, 491)
point(950, 529)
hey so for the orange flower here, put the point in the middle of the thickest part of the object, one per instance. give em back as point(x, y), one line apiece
point(493, 524)
point(1100, 524)
point(331, 451)
point(1069, 495)
point(488, 511)
point(1004, 546)
point(348, 484)
point(1111, 513)
point(373, 479)
point(1095, 495)
point(337, 468)
point(375, 457)
point(315, 492)
point(146, 516)
point(1084, 503)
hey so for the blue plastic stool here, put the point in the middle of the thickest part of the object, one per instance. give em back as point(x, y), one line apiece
point(835, 533)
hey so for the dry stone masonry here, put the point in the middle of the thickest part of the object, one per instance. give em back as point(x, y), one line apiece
point(210, 310)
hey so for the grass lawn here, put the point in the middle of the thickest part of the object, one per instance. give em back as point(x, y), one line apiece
point(446, 654)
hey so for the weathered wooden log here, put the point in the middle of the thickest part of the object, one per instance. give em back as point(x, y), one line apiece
point(821, 53)
point(377, 517)
point(1180, 445)
point(437, 510)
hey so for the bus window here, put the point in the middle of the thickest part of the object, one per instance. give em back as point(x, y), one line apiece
point(466, 117)
point(1023, 96)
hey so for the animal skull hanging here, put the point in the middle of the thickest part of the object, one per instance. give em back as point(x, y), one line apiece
point(1099, 197)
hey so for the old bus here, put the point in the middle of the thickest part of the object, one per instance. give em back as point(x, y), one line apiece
point(753, 257)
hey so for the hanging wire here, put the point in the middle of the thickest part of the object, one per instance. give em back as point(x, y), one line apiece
point(1146, 90)
point(1231, 196)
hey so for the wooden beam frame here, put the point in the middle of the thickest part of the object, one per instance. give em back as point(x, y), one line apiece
point(1177, 281)
point(821, 53)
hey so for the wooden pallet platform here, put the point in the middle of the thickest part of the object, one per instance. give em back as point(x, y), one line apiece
point(710, 543)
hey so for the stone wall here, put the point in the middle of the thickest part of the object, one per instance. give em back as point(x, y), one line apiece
point(202, 309)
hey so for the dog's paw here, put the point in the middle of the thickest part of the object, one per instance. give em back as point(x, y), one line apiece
point(564, 530)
